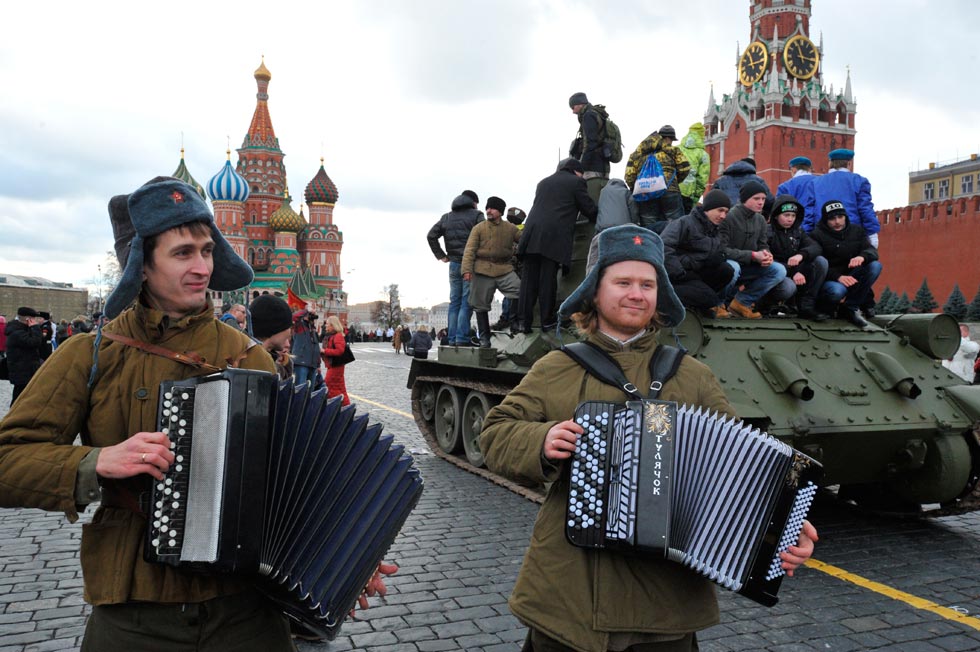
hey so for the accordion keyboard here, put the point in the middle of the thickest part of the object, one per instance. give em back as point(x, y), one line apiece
point(169, 496)
point(587, 476)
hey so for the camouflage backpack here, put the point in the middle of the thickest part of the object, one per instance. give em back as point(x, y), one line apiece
point(612, 140)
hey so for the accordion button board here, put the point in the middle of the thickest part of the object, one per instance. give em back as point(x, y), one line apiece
point(700, 489)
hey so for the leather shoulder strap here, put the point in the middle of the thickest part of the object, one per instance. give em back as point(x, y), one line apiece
point(664, 364)
point(189, 358)
point(601, 365)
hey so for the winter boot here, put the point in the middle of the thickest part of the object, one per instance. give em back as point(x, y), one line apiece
point(483, 326)
point(808, 309)
point(739, 309)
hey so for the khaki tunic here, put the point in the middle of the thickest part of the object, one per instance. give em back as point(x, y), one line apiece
point(575, 595)
point(39, 464)
point(490, 248)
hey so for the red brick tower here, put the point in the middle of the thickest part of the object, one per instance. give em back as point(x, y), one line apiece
point(322, 241)
point(779, 108)
point(260, 162)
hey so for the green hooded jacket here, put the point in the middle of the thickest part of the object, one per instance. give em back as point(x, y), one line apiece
point(693, 147)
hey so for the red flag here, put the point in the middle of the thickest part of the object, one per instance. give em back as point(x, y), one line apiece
point(294, 301)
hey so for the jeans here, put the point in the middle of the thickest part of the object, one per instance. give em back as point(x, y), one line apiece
point(459, 305)
point(302, 374)
point(655, 214)
point(757, 281)
point(833, 291)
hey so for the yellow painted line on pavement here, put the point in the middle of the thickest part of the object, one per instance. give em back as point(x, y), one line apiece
point(361, 399)
point(895, 594)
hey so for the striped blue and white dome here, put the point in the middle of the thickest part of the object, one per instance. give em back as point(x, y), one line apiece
point(228, 185)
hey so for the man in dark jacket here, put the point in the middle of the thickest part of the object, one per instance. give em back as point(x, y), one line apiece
point(853, 265)
point(454, 227)
point(588, 145)
point(25, 345)
point(745, 236)
point(737, 175)
point(546, 242)
point(695, 258)
point(790, 245)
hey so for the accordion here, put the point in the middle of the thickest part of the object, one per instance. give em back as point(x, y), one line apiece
point(708, 492)
point(274, 480)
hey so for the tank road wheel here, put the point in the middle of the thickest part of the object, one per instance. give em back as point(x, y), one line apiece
point(474, 411)
point(427, 400)
point(448, 416)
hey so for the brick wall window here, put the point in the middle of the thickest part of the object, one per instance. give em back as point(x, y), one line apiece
point(966, 184)
point(929, 191)
point(943, 188)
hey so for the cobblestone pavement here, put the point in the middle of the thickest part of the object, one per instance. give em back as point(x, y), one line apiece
point(460, 551)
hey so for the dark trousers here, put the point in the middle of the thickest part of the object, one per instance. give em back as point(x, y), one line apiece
point(703, 289)
point(538, 642)
point(655, 214)
point(17, 390)
point(539, 285)
point(239, 623)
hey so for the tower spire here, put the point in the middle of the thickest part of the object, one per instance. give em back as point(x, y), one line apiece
point(848, 97)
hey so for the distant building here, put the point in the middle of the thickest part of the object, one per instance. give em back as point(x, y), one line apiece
point(62, 300)
point(252, 208)
point(937, 236)
point(780, 107)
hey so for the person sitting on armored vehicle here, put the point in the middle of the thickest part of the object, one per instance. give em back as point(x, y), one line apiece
point(852, 261)
point(744, 234)
point(806, 269)
point(574, 598)
point(695, 258)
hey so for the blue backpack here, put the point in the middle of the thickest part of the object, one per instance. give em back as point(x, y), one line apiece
point(650, 182)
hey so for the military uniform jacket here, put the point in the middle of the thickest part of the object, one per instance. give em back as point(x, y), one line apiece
point(577, 595)
point(490, 248)
point(39, 464)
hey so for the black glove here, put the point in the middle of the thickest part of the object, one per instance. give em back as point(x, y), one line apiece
point(714, 260)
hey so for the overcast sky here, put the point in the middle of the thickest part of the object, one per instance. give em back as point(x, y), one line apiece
point(411, 102)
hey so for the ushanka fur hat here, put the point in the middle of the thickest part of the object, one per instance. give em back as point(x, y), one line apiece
point(160, 206)
point(614, 245)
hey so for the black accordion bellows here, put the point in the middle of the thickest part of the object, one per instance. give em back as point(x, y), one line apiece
point(701, 489)
point(279, 481)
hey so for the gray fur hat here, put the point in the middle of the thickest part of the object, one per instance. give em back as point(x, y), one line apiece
point(157, 207)
point(614, 245)
point(577, 98)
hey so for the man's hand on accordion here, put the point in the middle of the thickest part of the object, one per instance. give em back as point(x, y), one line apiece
point(144, 452)
point(376, 585)
point(803, 550)
point(559, 443)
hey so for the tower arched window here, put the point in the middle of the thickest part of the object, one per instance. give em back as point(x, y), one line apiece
point(841, 114)
point(805, 109)
point(824, 114)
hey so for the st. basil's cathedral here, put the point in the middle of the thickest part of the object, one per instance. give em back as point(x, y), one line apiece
point(252, 208)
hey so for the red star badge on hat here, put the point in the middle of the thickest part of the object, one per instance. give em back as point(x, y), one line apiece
point(178, 197)
point(637, 240)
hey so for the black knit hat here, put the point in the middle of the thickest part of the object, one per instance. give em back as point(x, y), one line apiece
point(498, 203)
point(472, 195)
point(667, 132)
point(751, 189)
point(716, 199)
point(577, 98)
point(270, 315)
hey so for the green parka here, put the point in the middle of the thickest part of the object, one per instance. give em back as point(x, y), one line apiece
point(576, 595)
point(39, 464)
point(692, 145)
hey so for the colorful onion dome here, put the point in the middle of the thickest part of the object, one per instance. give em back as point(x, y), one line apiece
point(228, 185)
point(286, 219)
point(262, 72)
point(321, 189)
point(184, 175)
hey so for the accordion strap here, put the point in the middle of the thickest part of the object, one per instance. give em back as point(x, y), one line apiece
point(663, 365)
point(189, 358)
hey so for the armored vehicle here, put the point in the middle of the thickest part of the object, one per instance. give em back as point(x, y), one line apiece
point(892, 427)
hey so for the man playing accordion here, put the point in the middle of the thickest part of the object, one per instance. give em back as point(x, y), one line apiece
point(575, 598)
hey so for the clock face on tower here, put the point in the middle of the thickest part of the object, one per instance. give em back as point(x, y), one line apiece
point(753, 63)
point(800, 57)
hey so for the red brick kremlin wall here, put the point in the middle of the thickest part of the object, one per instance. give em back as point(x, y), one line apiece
point(938, 241)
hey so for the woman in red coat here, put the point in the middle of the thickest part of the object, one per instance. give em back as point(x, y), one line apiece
point(334, 345)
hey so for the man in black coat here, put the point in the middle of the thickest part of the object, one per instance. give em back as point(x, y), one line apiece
point(24, 346)
point(546, 242)
point(454, 228)
point(853, 265)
